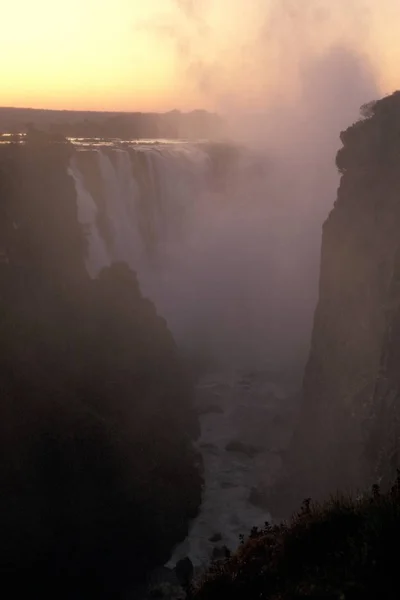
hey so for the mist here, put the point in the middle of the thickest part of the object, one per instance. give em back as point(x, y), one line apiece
point(295, 77)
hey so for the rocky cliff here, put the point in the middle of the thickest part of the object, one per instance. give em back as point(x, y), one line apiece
point(96, 424)
point(348, 429)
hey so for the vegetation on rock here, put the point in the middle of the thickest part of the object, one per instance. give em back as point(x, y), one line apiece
point(344, 548)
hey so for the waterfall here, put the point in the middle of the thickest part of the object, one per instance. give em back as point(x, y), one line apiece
point(87, 214)
point(212, 233)
point(140, 189)
point(121, 199)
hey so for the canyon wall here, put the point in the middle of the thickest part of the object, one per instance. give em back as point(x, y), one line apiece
point(96, 424)
point(348, 431)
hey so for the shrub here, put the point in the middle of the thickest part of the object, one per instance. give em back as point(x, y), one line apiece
point(343, 548)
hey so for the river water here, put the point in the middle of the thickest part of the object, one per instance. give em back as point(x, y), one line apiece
point(251, 413)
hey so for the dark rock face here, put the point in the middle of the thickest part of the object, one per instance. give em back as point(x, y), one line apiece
point(184, 571)
point(95, 418)
point(242, 448)
point(347, 434)
point(220, 553)
point(216, 537)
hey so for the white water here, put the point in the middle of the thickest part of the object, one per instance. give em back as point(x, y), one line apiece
point(87, 213)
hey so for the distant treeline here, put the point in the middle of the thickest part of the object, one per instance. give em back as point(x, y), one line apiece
point(173, 125)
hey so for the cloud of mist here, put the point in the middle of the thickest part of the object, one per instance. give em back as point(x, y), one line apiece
point(253, 52)
point(188, 34)
point(287, 84)
point(190, 8)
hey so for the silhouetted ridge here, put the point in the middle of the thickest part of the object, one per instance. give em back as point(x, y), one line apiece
point(124, 125)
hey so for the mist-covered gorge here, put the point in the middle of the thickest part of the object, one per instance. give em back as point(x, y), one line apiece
point(107, 249)
point(223, 243)
point(347, 436)
point(215, 237)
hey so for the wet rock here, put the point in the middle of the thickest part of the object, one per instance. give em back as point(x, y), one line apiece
point(220, 553)
point(209, 408)
point(161, 583)
point(257, 497)
point(219, 388)
point(245, 383)
point(184, 571)
point(162, 575)
point(238, 446)
point(167, 591)
point(226, 485)
point(279, 420)
point(210, 447)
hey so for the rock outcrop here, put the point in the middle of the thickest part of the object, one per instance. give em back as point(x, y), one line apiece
point(348, 430)
point(96, 424)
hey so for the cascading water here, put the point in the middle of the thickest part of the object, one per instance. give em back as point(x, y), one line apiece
point(87, 213)
point(208, 235)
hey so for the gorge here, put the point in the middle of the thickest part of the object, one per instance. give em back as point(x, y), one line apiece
point(340, 540)
point(93, 377)
point(156, 307)
point(198, 222)
point(347, 436)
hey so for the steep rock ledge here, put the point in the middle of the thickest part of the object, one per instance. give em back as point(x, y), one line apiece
point(347, 431)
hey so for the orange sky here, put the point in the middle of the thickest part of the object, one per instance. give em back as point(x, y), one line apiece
point(164, 54)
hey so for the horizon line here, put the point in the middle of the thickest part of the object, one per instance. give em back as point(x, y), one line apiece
point(128, 112)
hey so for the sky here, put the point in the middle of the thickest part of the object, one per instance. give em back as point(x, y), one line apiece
point(157, 55)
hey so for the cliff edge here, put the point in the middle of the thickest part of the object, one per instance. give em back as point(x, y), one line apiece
point(347, 432)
